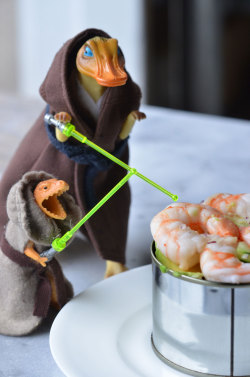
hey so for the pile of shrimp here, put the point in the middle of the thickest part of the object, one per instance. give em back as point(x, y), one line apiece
point(207, 233)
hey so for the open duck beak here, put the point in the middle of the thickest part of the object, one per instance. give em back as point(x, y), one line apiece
point(101, 59)
point(46, 196)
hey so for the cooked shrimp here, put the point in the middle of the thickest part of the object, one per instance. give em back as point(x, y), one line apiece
point(229, 204)
point(219, 263)
point(237, 208)
point(179, 230)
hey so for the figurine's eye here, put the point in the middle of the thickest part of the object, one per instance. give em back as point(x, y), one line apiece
point(88, 52)
point(45, 188)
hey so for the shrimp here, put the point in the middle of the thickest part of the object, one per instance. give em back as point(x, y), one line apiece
point(231, 205)
point(181, 231)
point(219, 263)
point(237, 208)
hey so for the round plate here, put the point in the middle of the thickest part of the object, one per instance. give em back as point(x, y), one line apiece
point(106, 330)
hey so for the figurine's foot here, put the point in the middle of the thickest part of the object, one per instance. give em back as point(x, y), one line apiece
point(64, 118)
point(114, 268)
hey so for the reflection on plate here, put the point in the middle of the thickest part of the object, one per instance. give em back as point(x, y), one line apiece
point(105, 331)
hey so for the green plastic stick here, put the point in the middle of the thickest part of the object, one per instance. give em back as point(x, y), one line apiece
point(69, 130)
point(60, 243)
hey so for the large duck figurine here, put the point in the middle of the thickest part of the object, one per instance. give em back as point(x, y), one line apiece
point(88, 85)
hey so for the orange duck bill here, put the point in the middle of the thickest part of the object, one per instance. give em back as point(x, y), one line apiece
point(102, 59)
point(46, 196)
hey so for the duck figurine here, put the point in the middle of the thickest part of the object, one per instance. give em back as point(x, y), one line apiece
point(87, 84)
point(39, 209)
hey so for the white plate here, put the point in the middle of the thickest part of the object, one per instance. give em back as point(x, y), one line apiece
point(105, 331)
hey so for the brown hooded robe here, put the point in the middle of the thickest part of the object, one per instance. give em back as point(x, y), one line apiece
point(107, 228)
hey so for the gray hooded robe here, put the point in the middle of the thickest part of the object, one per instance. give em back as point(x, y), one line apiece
point(25, 288)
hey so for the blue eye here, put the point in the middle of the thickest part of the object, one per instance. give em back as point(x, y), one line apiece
point(88, 52)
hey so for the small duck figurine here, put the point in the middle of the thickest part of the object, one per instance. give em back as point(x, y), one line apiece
point(39, 209)
point(46, 195)
point(87, 84)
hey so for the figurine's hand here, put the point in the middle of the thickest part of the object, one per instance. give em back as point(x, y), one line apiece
point(138, 115)
point(114, 268)
point(31, 253)
point(129, 122)
point(64, 118)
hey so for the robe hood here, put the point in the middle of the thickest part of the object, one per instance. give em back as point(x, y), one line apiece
point(24, 213)
point(56, 88)
point(59, 91)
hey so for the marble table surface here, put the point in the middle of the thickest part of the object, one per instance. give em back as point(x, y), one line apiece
point(191, 155)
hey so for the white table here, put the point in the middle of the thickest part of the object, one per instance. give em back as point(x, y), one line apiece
point(191, 155)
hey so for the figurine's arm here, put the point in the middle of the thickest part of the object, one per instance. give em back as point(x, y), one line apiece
point(113, 268)
point(129, 123)
point(33, 254)
point(64, 118)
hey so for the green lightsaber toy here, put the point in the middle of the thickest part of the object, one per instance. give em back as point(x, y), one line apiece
point(69, 130)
